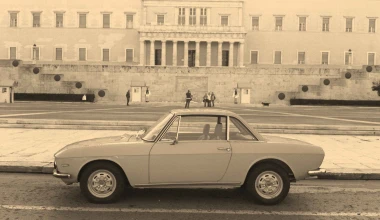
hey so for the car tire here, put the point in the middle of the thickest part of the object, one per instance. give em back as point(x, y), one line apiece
point(268, 184)
point(102, 182)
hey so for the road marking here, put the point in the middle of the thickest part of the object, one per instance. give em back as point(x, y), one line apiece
point(313, 116)
point(193, 211)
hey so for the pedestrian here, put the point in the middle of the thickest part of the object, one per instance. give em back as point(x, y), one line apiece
point(128, 95)
point(213, 97)
point(235, 95)
point(189, 97)
point(205, 101)
point(208, 99)
point(147, 94)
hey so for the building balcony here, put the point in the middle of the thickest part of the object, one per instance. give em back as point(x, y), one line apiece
point(190, 29)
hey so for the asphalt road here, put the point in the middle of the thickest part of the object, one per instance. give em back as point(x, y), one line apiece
point(312, 115)
point(38, 196)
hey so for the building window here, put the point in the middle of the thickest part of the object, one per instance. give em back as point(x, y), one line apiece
point(301, 57)
point(160, 19)
point(325, 58)
point(58, 53)
point(106, 54)
point(302, 24)
point(371, 59)
point(13, 19)
point(254, 57)
point(181, 16)
point(203, 18)
point(82, 20)
point(36, 19)
point(129, 21)
point(224, 20)
point(129, 55)
point(372, 25)
point(255, 23)
point(106, 20)
point(193, 16)
point(36, 53)
point(347, 58)
point(58, 20)
point(278, 23)
point(349, 22)
point(277, 57)
point(325, 24)
point(12, 53)
point(82, 54)
point(225, 57)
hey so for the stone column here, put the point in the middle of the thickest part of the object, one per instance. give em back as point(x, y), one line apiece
point(231, 55)
point(142, 52)
point(163, 55)
point(174, 53)
point(186, 54)
point(220, 44)
point(197, 53)
point(241, 56)
point(151, 53)
point(208, 62)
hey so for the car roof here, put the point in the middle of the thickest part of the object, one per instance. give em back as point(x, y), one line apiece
point(202, 111)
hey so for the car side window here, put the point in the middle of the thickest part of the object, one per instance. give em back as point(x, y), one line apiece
point(171, 133)
point(202, 128)
point(238, 131)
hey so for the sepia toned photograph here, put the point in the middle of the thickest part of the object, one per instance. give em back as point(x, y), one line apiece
point(189, 109)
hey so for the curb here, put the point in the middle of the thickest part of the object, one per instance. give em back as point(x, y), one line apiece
point(137, 125)
point(331, 174)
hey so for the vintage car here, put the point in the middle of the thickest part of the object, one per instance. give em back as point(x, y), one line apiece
point(189, 148)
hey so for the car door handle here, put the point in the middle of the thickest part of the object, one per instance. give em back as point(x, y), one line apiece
point(225, 149)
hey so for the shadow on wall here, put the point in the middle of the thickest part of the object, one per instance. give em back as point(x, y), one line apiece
point(53, 97)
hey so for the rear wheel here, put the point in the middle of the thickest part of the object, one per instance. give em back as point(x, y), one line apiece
point(102, 182)
point(268, 184)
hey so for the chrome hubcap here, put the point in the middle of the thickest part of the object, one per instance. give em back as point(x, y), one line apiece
point(101, 183)
point(269, 184)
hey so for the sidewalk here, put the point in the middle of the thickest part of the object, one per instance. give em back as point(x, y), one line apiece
point(32, 150)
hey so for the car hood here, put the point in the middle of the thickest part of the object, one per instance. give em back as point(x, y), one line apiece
point(125, 139)
point(277, 139)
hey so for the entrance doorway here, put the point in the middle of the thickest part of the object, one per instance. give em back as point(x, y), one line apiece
point(191, 58)
point(225, 57)
point(157, 57)
point(136, 94)
point(245, 97)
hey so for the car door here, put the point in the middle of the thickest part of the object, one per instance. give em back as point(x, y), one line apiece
point(201, 153)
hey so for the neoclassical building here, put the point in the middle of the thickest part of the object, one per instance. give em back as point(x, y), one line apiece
point(230, 36)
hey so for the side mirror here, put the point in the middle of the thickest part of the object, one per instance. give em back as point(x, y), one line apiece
point(174, 142)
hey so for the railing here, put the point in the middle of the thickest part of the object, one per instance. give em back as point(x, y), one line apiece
point(186, 28)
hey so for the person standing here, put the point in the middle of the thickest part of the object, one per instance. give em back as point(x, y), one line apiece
point(236, 95)
point(213, 97)
point(208, 99)
point(147, 94)
point(205, 101)
point(128, 95)
point(188, 99)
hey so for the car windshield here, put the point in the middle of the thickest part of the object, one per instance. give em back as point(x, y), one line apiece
point(155, 129)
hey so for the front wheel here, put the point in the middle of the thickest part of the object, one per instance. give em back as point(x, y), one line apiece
point(102, 183)
point(268, 184)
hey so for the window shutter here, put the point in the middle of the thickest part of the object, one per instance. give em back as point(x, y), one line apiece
point(277, 57)
point(106, 54)
point(325, 58)
point(301, 57)
point(36, 20)
point(349, 24)
point(82, 54)
point(160, 19)
point(129, 21)
point(254, 57)
point(82, 20)
point(371, 59)
point(278, 21)
point(59, 20)
point(224, 21)
point(58, 53)
point(255, 23)
point(106, 20)
point(13, 20)
point(12, 53)
point(129, 55)
point(372, 25)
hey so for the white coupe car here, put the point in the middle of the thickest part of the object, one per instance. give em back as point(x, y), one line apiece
point(189, 148)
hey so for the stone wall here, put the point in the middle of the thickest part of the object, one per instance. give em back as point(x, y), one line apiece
point(171, 83)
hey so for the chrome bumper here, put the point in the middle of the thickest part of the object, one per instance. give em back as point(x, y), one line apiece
point(60, 175)
point(316, 172)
